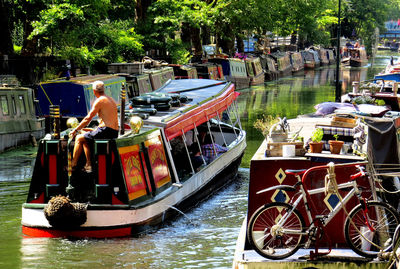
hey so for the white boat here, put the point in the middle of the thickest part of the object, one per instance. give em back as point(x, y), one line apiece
point(139, 180)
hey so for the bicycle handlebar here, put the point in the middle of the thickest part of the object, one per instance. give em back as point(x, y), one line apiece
point(359, 174)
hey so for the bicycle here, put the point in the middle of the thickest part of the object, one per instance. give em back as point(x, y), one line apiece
point(276, 229)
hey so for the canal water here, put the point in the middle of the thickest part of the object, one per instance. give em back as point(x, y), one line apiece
point(204, 237)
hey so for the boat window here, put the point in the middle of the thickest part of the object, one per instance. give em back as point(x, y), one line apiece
point(14, 105)
point(22, 104)
point(4, 105)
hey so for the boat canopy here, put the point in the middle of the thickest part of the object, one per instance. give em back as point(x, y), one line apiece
point(209, 98)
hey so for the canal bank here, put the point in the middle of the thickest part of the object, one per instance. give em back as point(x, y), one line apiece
point(206, 236)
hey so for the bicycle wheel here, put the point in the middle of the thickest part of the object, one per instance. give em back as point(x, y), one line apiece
point(273, 241)
point(367, 236)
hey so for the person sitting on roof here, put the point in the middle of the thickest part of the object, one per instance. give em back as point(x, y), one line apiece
point(208, 151)
point(106, 108)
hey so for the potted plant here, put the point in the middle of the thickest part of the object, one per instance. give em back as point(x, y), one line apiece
point(335, 145)
point(316, 137)
point(273, 128)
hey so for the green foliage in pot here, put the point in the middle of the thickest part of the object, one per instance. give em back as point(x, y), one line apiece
point(317, 135)
point(336, 136)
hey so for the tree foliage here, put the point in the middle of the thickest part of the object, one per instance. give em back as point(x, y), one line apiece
point(87, 32)
point(363, 16)
point(102, 31)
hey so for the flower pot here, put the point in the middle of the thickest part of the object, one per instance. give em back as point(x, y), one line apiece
point(316, 147)
point(335, 146)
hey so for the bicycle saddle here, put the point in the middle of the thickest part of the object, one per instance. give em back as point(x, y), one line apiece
point(295, 172)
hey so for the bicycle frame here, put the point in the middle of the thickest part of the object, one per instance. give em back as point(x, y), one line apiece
point(303, 197)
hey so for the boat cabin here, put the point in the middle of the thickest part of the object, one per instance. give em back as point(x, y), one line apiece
point(296, 60)
point(282, 62)
point(75, 96)
point(255, 71)
point(323, 56)
point(268, 65)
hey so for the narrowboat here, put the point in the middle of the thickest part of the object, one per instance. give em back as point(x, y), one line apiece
point(18, 122)
point(255, 71)
point(358, 57)
point(207, 70)
point(282, 62)
point(269, 172)
point(309, 60)
point(373, 90)
point(331, 56)
point(146, 176)
point(296, 61)
point(184, 71)
point(74, 97)
point(315, 54)
point(158, 76)
point(233, 70)
point(323, 56)
point(269, 68)
point(137, 82)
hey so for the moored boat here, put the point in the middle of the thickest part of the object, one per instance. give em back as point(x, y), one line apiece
point(255, 71)
point(272, 182)
point(358, 57)
point(269, 68)
point(297, 62)
point(323, 56)
point(282, 61)
point(18, 122)
point(141, 179)
point(309, 60)
point(75, 96)
point(234, 70)
point(331, 56)
point(184, 71)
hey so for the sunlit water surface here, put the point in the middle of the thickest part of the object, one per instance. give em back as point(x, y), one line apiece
point(204, 237)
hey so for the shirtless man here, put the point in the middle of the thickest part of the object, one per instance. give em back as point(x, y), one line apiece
point(106, 108)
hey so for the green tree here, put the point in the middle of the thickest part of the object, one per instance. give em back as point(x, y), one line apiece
point(361, 17)
point(88, 32)
point(174, 26)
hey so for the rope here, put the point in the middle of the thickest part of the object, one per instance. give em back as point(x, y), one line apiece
point(45, 93)
point(332, 187)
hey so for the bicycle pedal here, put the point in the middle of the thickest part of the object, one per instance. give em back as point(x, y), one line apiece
point(320, 216)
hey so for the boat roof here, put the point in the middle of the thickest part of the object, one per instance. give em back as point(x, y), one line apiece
point(84, 80)
point(206, 99)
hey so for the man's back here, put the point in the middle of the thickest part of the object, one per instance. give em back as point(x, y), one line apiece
point(108, 112)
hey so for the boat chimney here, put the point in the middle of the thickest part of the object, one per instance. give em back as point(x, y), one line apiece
point(122, 109)
point(55, 120)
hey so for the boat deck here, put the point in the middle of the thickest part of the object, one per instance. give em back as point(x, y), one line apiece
point(338, 258)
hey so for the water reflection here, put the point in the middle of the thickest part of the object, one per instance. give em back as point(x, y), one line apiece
point(15, 165)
